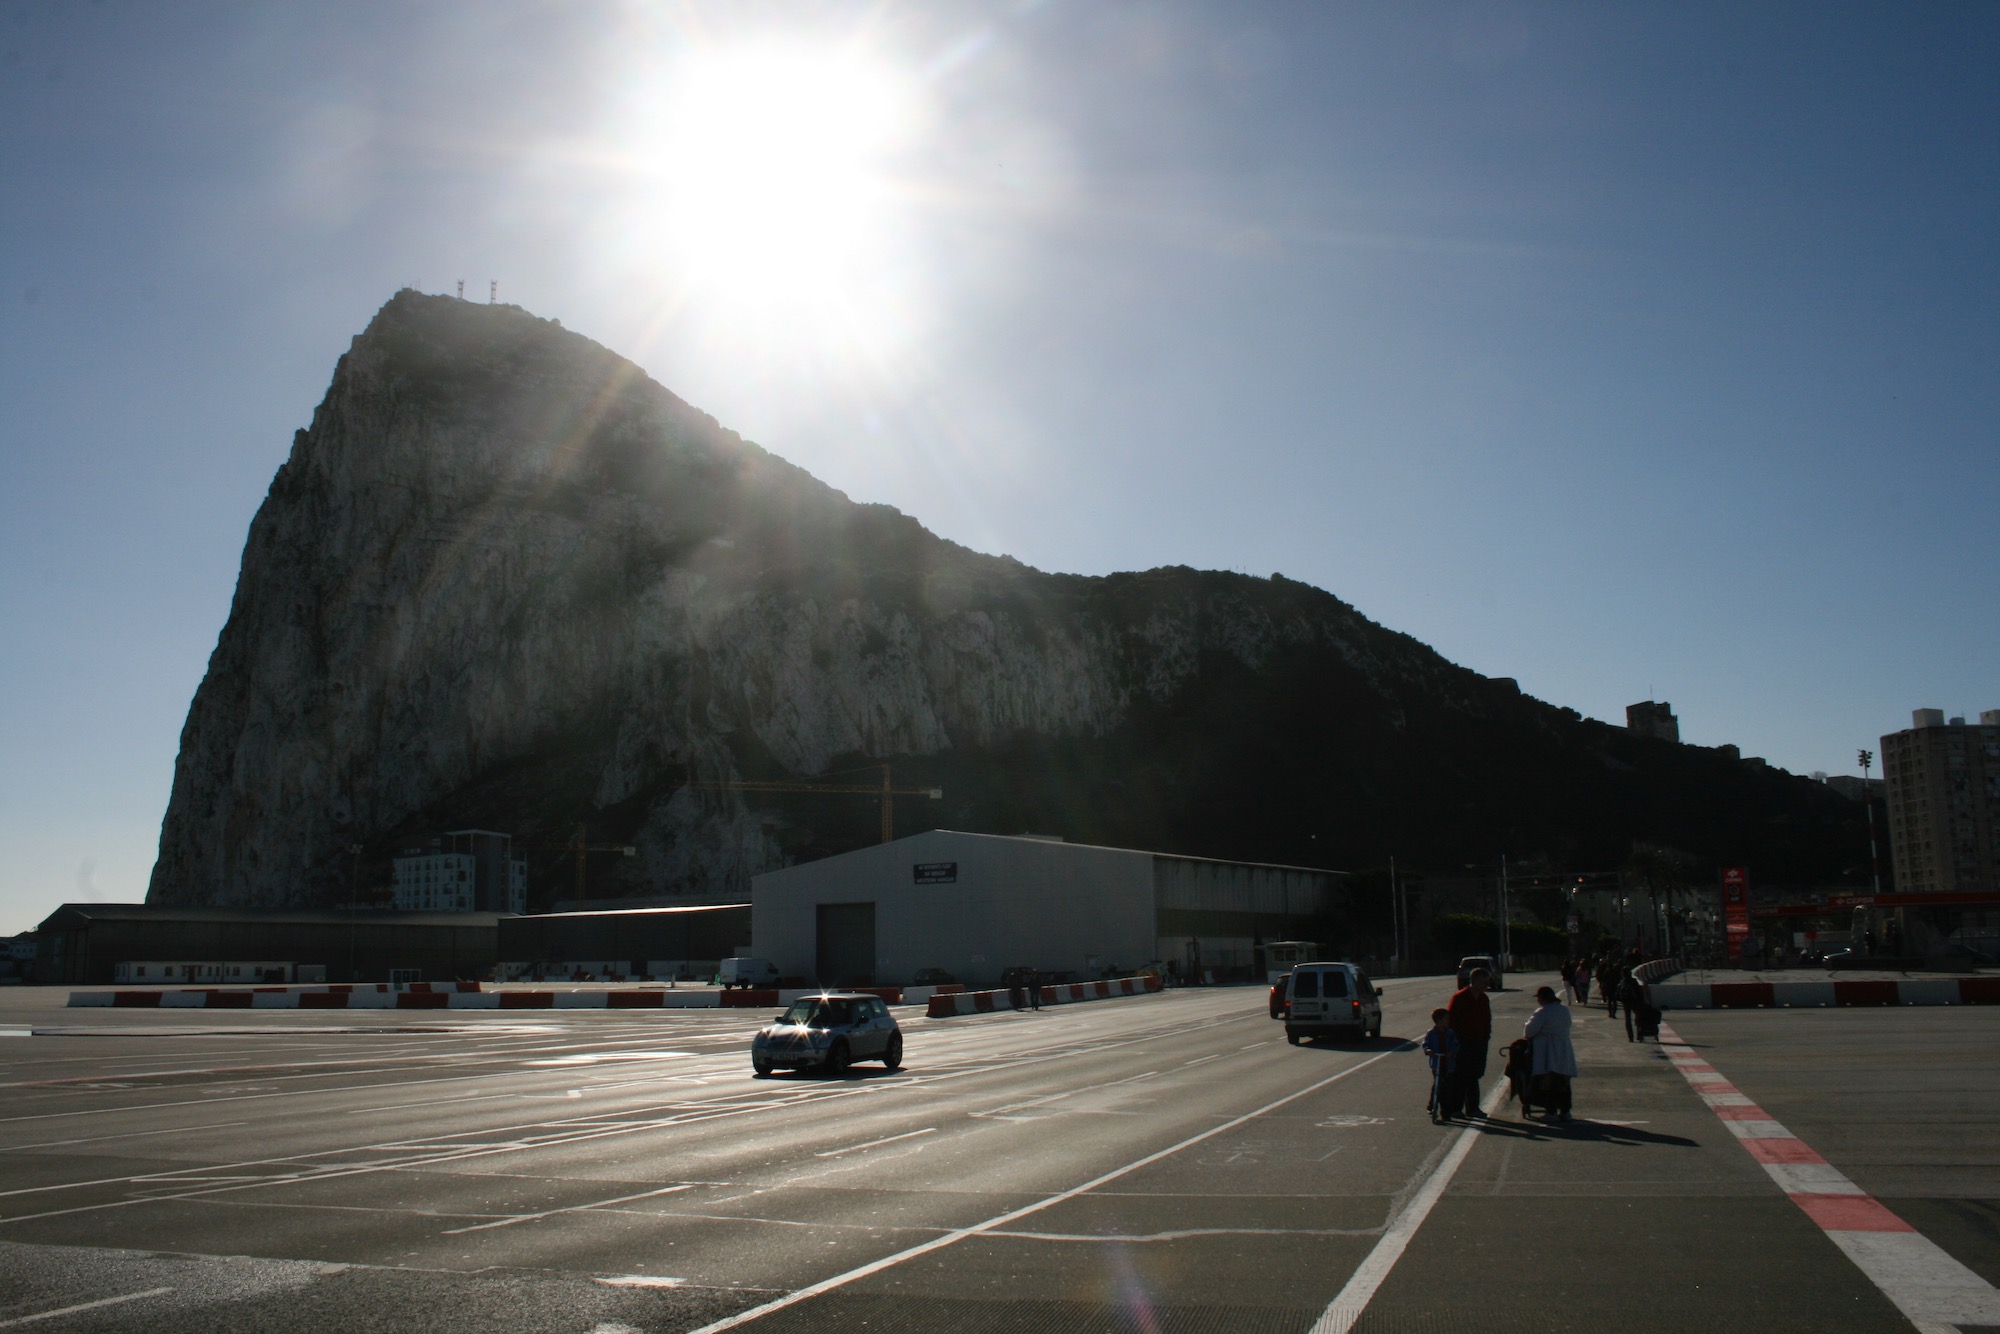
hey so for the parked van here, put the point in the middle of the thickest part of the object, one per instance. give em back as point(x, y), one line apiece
point(747, 973)
point(1326, 999)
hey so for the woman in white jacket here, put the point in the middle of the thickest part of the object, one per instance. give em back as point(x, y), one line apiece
point(1554, 1056)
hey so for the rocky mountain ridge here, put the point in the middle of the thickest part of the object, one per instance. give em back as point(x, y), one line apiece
point(506, 581)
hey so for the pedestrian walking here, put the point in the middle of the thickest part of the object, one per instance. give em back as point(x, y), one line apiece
point(1569, 979)
point(1607, 978)
point(1441, 1050)
point(1583, 982)
point(1633, 995)
point(1471, 1018)
point(1554, 1064)
point(1034, 988)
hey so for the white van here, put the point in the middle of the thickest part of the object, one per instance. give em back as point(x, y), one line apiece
point(746, 972)
point(1332, 998)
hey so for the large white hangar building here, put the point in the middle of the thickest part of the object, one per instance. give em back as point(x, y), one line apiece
point(978, 904)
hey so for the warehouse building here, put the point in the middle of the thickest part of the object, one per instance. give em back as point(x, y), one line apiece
point(977, 905)
point(657, 942)
point(85, 942)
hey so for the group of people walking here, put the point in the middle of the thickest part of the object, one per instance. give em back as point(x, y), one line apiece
point(1543, 1060)
point(1618, 987)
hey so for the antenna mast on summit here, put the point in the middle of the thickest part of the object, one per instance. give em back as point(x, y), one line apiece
point(461, 289)
point(492, 291)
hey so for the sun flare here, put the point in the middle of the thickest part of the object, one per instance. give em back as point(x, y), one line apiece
point(769, 189)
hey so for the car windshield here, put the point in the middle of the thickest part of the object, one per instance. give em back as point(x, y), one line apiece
point(819, 1012)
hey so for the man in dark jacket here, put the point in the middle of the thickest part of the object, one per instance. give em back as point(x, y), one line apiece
point(1471, 1017)
point(1633, 996)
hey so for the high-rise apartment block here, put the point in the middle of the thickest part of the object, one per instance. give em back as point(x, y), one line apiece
point(467, 870)
point(1654, 719)
point(1943, 785)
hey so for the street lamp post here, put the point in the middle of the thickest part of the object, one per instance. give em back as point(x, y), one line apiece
point(1395, 916)
point(353, 903)
point(1867, 758)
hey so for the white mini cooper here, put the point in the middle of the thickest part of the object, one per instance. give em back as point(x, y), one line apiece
point(828, 1032)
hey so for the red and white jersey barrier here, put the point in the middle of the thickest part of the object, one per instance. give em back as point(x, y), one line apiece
point(1813, 995)
point(446, 996)
point(983, 1002)
point(1930, 1287)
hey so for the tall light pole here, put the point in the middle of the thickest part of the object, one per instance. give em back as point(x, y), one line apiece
point(1395, 916)
point(353, 902)
point(1867, 758)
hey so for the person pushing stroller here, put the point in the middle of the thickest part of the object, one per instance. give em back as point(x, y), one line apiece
point(1554, 1056)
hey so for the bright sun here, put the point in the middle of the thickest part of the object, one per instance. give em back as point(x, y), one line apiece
point(770, 192)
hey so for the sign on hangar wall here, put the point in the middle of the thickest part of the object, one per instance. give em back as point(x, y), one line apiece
point(935, 873)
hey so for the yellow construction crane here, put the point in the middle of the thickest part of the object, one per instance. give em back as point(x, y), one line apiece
point(887, 791)
point(581, 847)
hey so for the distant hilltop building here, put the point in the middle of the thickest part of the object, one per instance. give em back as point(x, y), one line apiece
point(467, 870)
point(1653, 719)
point(1943, 788)
point(1854, 789)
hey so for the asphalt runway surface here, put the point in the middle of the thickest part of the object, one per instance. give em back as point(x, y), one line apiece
point(1162, 1163)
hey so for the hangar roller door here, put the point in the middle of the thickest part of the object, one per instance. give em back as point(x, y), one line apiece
point(845, 946)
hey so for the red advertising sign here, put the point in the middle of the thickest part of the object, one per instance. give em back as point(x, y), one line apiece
point(1736, 909)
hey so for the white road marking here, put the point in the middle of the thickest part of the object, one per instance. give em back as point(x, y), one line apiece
point(641, 1281)
point(85, 1306)
point(594, 1057)
point(1202, 1060)
point(130, 1134)
point(1353, 1299)
point(447, 1152)
point(856, 1148)
point(570, 1209)
point(1015, 1215)
point(1184, 1234)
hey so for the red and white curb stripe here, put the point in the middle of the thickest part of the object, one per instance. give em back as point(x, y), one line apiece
point(983, 1002)
point(1935, 1291)
point(1818, 994)
point(448, 996)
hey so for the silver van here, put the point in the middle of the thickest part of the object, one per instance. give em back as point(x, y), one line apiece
point(1328, 999)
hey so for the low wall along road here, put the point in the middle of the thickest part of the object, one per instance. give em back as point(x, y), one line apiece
point(984, 1002)
point(1815, 995)
point(471, 996)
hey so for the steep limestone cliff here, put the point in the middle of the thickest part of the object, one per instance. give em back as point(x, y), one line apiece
point(507, 581)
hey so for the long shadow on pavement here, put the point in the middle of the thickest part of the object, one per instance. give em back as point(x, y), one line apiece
point(1597, 1132)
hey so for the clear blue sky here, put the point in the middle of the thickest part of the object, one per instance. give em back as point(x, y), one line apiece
point(1628, 350)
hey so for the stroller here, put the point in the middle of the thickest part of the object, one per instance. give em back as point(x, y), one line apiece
point(1648, 1021)
point(1518, 1072)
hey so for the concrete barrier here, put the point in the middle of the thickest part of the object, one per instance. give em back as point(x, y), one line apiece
point(444, 996)
point(1814, 995)
point(944, 1006)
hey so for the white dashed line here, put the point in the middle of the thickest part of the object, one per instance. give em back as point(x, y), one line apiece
point(84, 1306)
point(856, 1148)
